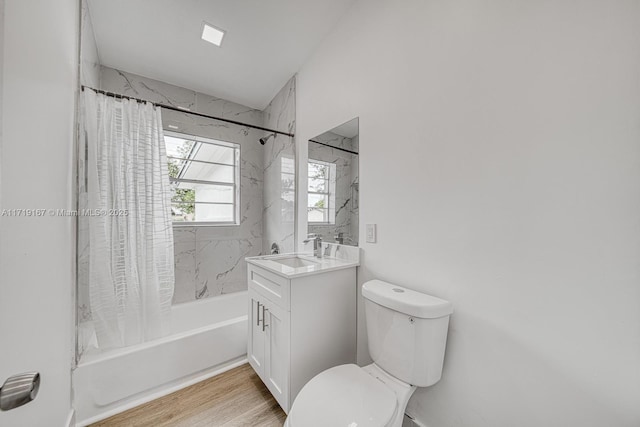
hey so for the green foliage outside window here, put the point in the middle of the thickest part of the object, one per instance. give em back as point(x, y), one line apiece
point(183, 198)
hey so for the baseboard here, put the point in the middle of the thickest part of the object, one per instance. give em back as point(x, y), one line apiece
point(191, 380)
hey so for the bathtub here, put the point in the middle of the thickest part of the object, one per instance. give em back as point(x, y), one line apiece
point(208, 337)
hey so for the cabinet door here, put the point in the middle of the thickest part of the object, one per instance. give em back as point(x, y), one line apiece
point(277, 354)
point(256, 341)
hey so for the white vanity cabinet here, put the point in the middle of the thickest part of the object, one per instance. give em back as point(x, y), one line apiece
point(299, 325)
point(268, 346)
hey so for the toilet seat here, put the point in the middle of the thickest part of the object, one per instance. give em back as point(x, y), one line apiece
point(343, 396)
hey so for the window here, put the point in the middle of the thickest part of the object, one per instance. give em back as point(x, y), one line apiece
point(205, 177)
point(321, 192)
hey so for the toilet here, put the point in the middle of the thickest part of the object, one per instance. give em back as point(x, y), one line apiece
point(407, 333)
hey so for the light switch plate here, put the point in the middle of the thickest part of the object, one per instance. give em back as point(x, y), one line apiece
point(371, 233)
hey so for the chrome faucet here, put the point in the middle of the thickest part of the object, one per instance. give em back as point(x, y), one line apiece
point(317, 244)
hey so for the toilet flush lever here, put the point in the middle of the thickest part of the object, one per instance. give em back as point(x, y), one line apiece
point(19, 390)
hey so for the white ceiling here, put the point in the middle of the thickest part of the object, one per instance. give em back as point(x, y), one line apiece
point(266, 42)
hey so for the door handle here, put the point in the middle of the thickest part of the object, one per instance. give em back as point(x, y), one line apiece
point(264, 319)
point(18, 390)
point(257, 313)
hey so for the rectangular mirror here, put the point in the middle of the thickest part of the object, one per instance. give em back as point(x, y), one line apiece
point(333, 187)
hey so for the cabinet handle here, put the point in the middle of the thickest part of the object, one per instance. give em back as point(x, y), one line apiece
point(264, 319)
point(258, 313)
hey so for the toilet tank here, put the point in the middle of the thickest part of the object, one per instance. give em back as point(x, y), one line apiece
point(407, 331)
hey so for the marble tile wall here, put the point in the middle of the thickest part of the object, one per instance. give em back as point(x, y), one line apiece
point(130, 84)
point(279, 172)
point(354, 211)
point(210, 260)
point(339, 141)
point(354, 206)
point(355, 144)
point(89, 62)
point(346, 215)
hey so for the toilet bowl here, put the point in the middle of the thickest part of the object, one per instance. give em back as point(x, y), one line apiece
point(348, 395)
point(407, 333)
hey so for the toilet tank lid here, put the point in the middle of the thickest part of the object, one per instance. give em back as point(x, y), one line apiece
point(406, 300)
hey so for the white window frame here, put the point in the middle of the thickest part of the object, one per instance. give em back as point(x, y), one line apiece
point(330, 193)
point(236, 178)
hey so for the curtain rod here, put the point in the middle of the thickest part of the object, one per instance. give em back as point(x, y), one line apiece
point(337, 148)
point(184, 110)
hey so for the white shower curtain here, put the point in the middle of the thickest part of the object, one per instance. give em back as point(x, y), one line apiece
point(130, 235)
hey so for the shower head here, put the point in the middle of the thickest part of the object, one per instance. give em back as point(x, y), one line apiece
point(264, 139)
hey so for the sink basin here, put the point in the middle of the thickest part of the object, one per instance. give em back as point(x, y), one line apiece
point(295, 262)
point(293, 265)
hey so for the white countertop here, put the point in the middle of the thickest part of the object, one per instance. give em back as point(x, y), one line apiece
point(321, 265)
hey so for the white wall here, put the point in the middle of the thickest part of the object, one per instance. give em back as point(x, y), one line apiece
point(500, 158)
point(36, 253)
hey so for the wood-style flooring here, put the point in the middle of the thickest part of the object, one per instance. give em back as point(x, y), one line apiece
point(233, 399)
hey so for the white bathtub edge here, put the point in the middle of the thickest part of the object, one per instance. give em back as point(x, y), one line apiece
point(178, 385)
point(119, 352)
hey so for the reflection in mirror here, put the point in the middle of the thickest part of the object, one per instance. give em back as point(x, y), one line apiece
point(332, 206)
